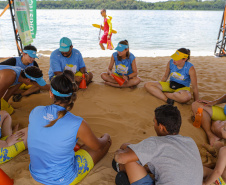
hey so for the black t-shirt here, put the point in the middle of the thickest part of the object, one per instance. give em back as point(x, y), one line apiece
point(12, 62)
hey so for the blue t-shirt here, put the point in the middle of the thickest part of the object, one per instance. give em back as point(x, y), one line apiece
point(14, 68)
point(52, 158)
point(20, 64)
point(123, 67)
point(180, 76)
point(59, 63)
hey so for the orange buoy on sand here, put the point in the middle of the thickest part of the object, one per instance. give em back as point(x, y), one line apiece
point(4, 178)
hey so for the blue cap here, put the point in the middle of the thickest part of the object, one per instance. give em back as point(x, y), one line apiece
point(40, 80)
point(121, 47)
point(31, 53)
point(65, 44)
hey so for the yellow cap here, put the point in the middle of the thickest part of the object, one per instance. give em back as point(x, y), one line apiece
point(179, 55)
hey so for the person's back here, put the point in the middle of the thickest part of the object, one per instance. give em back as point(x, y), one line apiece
point(52, 136)
point(53, 144)
point(173, 159)
point(17, 71)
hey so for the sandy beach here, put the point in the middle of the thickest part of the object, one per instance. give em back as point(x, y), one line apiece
point(126, 114)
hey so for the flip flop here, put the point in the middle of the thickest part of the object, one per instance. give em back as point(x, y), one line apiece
point(122, 179)
point(17, 97)
point(115, 166)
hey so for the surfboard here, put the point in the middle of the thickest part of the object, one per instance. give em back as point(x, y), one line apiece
point(98, 26)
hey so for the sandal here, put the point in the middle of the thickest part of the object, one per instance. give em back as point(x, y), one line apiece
point(17, 97)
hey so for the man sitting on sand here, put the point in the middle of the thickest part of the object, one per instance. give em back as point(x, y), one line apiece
point(66, 57)
point(11, 78)
point(172, 159)
point(26, 60)
point(213, 120)
point(12, 142)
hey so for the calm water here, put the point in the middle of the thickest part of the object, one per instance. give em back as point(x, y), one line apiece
point(150, 33)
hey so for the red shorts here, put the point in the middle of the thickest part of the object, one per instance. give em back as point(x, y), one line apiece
point(104, 38)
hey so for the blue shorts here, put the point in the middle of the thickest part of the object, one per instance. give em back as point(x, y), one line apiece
point(147, 180)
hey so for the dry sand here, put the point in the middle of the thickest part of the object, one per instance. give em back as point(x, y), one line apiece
point(126, 114)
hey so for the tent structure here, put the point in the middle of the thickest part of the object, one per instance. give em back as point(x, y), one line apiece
point(24, 27)
point(220, 50)
point(17, 36)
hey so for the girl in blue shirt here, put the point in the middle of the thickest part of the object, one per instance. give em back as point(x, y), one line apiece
point(181, 73)
point(52, 135)
point(125, 67)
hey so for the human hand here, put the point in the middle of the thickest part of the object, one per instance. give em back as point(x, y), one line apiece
point(117, 155)
point(87, 77)
point(125, 78)
point(109, 72)
point(11, 140)
point(78, 79)
point(108, 37)
point(210, 149)
point(207, 103)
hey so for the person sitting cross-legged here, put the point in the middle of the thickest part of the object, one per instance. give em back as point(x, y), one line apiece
point(172, 159)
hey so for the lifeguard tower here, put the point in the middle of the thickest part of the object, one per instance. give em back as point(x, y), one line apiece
point(220, 50)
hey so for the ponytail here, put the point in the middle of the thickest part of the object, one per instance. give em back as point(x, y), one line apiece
point(64, 84)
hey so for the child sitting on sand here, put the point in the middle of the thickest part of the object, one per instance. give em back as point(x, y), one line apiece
point(52, 135)
point(12, 142)
point(125, 67)
point(181, 73)
point(173, 159)
point(218, 174)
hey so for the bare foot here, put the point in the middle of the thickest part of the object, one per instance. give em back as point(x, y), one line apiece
point(210, 149)
point(133, 87)
point(218, 144)
point(212, 139)
point(16, 128)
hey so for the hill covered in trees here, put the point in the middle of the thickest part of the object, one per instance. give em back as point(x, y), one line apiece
point(128, 4)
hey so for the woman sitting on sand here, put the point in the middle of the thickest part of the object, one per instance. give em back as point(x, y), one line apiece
point(125, 67)
point(52, 135)
point(214, 118)
point(181, 73)
point(12, 142)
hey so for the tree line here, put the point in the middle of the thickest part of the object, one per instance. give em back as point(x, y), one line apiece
point(127, 4)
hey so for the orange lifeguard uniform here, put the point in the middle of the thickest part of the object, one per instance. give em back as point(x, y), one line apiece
point(107, 29)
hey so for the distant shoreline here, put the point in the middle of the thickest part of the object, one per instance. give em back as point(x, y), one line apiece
point(129, 5)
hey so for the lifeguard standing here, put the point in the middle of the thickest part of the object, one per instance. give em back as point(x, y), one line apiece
point(107, 29)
